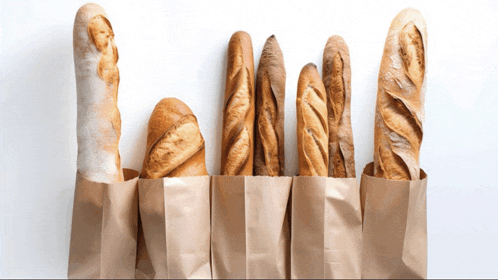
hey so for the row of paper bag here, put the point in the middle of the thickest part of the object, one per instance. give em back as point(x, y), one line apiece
point(249, 227)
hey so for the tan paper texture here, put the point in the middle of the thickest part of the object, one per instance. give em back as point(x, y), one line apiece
point(250, 227)
point(326, 228)
point(394, 227)
point(104, 229)
point(175, 219)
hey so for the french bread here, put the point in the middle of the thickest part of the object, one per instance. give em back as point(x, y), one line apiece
point(337, 81)
point(97, 81)
point(269, 157)
point(238, 114)
point(399, 110)
point(312, 127)
point(175, 146)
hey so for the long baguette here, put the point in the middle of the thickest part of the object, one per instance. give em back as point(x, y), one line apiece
point(312, 128)
point(337, 82)
point(97, 80)
point(238, 114)
point(400, 99)
point(269, 157)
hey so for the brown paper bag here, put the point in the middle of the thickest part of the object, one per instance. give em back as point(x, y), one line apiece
point(250, 227)
point(394, 227)
point(326, 228)
point(104, 228)
point(175, 219)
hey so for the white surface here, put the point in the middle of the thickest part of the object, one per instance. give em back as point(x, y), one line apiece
point(179, 49)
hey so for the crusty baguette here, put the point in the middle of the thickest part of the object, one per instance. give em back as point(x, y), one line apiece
point(400, 99)
point(175, 147)
point(337, 82)
point(97, 80)
point(312, 128)
point(269, 157)
point(238, 114)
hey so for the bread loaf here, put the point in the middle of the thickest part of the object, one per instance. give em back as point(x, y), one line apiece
point(237, 146)
point(269, 157)
point(175, 146)
point(97, 80)
point(400, 99)
point(312, 128)
point(337, 82)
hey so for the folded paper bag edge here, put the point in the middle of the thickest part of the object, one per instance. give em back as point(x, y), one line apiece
point(86, 193)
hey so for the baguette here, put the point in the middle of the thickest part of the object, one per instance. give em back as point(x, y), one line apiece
point(175, 146)
point(97, 81)
point(238, 114)
point(399, 111)
point(337, 82)
point(312, 128)
point(269, 152)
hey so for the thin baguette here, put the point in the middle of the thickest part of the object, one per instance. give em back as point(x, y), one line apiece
point(269, 157)
point(337, 82)
point(312, 128)
point(238, 115)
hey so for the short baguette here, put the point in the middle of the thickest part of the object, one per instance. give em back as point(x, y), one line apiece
point(237, 146)
point(175, 146)
point(97, 80)
point(269, 157)
point(337, 82)
point(312, 128)
point(400, 99)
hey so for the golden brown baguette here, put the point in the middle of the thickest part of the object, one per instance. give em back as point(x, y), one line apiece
point(400, 99)
point(97, 80)
point(175, 147)
point(269, 157)
point(312, 128)
point(237, 146)
point(337, 82)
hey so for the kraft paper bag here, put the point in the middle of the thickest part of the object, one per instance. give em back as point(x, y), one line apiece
point(174, 240)
point(394, 227)
point(104, 228)
point(326, 228)
point(250, 227)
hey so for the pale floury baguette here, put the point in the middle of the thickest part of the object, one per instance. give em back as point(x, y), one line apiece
point(312, 128)
point(400, 98)
point(337, 82)
point(97, 80)
point(269, 157)
point(237, 146)
point(175, 146)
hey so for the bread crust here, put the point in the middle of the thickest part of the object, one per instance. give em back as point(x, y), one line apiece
point(238, 114)
point(400, 99)
point(97, 81)
point(175, 146)
point(312, 127)
point(337, 81)
point(269, 151)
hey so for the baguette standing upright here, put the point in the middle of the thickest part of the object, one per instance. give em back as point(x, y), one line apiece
point(400, 99)
point(312, 128)
point(97, 80)
point(269, 157)
point(337, 82)
point(237, 145)
point(175, 146)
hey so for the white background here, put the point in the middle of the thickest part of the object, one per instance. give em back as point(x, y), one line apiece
point(178, 49)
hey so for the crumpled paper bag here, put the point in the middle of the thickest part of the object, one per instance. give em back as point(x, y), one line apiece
point(104, 228)
point(394, 227)
point(326, 228)
point(250, 227)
